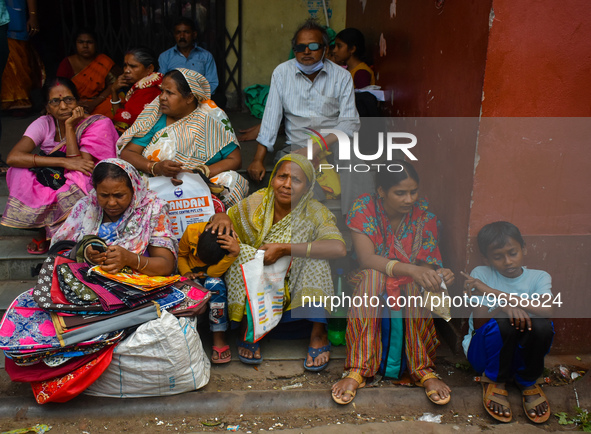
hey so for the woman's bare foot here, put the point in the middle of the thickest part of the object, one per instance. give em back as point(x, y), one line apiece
point(318, 339)
point(342, 389)
point(242, 350)
point(442, 390)
point(219, 341)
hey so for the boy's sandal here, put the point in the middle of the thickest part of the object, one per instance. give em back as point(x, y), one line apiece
point(360, 380)
point(490, 392)
point(253, 348)
point(221, 359)
point(315, 352)
point(528, 406)
point(429, 393)
point(38, 250)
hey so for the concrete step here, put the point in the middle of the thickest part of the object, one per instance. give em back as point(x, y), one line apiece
point(15, 262)
point(10, 289)
point(5, 231)
point(3, 187)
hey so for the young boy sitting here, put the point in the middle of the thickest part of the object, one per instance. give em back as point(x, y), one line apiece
point(510, 333)
point(205, 257)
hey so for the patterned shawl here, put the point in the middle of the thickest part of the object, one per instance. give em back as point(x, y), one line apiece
point(416, 238)
point(151, 80)
point(308, 221)
point(145, 221)
point(199, 136)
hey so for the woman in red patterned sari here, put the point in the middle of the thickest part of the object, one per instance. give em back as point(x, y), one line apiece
point(139, 72)
point(395, 240)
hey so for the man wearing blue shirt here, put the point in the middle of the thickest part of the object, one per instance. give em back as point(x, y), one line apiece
point(186, 54)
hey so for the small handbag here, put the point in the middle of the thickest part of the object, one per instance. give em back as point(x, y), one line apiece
point(52, 177)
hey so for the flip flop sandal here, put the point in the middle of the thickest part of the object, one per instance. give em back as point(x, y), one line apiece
point(528, 406)
point(315, 352)
point(39, 250)
point(253, 349)
point(429, 393)
point(220, 350)
point(490, 392)
point(360, 380)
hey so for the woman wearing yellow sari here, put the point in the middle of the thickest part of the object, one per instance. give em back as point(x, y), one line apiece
point(285, 220)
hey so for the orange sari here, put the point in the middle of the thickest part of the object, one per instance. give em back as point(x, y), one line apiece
point(91, 81)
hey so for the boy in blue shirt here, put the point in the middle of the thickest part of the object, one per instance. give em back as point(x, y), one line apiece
point(510, 333)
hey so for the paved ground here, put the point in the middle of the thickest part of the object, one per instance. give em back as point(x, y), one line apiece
point(279, 394)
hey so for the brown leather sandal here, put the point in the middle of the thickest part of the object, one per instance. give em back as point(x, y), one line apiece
point(529, 406)
point(490, 392)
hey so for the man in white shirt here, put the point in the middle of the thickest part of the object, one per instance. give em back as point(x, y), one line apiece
point(309, 92)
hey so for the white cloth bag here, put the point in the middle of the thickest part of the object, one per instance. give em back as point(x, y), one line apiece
point(162, 357)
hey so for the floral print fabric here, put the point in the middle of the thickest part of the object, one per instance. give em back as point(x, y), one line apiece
point(416, 239)
point(145, 221)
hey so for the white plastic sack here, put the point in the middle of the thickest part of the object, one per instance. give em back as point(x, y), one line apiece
point(265, 292)
point(189, 202)
point(228, 179)
point(162, 357)
point(164, 148)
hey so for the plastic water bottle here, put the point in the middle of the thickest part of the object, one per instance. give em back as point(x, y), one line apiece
point(337, 324)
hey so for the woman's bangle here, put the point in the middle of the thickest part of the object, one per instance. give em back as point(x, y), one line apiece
point(34, 160)
point(115, 102)
point(152, 168)
point(308, 250)
point(145, 265)
point(75, 155)
point(390, 267)
point(139, 262)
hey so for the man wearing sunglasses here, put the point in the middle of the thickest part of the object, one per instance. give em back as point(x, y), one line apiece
point(309, 92)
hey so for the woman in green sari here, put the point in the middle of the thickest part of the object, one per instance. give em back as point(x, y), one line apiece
point(284, 220)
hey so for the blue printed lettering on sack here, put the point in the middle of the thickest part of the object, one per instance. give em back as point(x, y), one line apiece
point(171, 382)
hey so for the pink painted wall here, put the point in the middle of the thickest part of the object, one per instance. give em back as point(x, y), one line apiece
point(520, 65)
point(534, 171)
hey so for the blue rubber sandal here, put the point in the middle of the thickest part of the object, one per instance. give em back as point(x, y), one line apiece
point(315, 352)
point(253, 349)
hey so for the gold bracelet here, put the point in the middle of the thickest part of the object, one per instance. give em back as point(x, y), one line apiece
point(138, 261)
point(308, 250)
point(390, 267)
point(152, 168)
point(145, 265)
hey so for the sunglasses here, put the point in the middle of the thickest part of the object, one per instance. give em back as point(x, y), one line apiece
point(314, 46)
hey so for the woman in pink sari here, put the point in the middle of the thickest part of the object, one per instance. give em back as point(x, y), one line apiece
point(51, 164)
